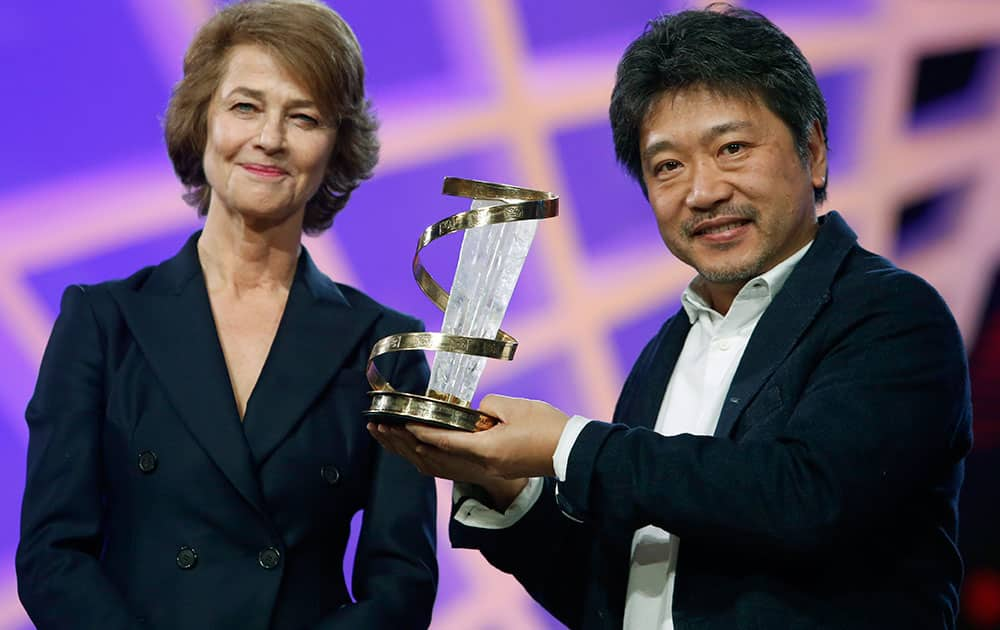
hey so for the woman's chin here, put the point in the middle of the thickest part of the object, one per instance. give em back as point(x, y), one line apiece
point(267, 215)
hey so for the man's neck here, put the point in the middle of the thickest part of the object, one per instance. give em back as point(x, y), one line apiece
point(719, 296)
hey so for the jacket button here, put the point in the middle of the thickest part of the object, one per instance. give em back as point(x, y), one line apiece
point(147, 461)
point(269, 558)
point(330, 474)
point(187, 557)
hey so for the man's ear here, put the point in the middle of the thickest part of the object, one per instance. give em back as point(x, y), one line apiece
point(816, 159)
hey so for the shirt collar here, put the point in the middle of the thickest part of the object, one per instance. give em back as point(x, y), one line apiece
point(766, 285)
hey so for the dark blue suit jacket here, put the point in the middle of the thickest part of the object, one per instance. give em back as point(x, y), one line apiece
point(136, 450)
point(827, 497)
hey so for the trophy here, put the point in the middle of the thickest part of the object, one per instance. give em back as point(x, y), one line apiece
point(499, 229)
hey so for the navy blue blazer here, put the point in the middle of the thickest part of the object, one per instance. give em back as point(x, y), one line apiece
point(149, 505)
point(827, 497)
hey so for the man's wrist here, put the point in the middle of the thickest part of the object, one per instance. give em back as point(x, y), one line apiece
point(500, 493)
point(571, 431)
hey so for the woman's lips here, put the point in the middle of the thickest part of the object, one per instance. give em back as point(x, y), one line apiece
point(264, 170)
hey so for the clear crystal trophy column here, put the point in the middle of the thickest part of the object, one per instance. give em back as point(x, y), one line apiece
point(499, 229)
point(489, 265)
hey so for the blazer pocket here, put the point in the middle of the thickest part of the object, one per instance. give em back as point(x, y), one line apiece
point(760, 419)
point(770, 401)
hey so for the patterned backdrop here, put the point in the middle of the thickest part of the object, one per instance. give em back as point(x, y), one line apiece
point(514, 91)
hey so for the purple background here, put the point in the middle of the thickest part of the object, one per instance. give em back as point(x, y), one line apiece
point(504, 90)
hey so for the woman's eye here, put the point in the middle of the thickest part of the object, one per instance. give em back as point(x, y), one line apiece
point(306, 121)
point(244, 108)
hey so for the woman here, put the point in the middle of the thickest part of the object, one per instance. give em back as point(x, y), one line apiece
point(197, 448)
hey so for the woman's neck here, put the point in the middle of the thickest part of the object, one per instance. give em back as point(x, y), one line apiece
point(237, 258)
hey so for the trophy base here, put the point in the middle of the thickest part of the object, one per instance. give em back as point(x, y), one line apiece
point(399, 407)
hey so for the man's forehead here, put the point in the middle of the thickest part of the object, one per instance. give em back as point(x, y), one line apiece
point(678, 118)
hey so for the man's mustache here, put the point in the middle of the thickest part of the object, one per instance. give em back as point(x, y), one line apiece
point(745, 211)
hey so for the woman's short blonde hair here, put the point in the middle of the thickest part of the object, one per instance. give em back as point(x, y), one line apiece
point(317, 47)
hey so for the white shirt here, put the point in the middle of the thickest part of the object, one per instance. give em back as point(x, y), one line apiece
point(692, 403)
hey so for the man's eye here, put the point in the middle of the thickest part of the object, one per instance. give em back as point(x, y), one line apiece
point(733, 148)
point(669, 165)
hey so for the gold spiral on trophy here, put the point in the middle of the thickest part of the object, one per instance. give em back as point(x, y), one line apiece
point(516, 204)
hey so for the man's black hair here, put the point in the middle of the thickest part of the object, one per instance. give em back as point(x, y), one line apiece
point(731, 51)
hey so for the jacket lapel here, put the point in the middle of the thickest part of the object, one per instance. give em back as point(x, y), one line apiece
point(171, 320)
point(319, 330)
point(645, 403)
point(805, 292)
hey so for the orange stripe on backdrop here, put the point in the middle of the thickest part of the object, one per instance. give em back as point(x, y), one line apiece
point(96, 211)
point(11, 614)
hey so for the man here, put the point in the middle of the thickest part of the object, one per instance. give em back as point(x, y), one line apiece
point(787, 451)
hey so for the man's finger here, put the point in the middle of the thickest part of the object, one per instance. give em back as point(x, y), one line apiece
point(496, 405)
point(397, 441)
point(445, 439)
point(428, 459)
point(381, 438)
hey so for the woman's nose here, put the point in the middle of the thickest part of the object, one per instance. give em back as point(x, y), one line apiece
point(272, 134)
